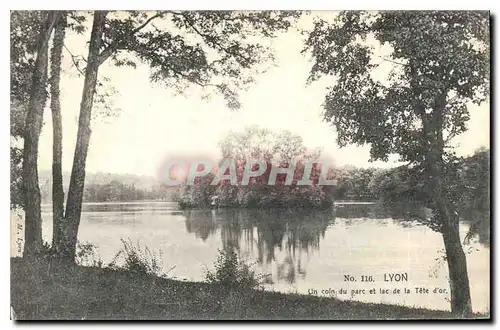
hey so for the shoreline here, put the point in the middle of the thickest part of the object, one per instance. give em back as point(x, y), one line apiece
point(77, 292)
point(341, 202)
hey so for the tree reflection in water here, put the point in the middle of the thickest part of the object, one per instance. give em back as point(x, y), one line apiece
point(259, 235)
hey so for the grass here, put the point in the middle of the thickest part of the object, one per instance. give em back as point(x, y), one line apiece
point(137, 259)
point(44, 291)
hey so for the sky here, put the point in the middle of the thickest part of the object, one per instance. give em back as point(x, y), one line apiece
point(154, 123)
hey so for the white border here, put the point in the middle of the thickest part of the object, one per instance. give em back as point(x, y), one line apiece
point(258, 5)
point(191, 4)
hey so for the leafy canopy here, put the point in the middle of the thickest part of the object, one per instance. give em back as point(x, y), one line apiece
point(216, 49)
point(396, 72)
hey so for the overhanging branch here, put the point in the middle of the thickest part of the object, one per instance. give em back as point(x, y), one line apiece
point(114, 46)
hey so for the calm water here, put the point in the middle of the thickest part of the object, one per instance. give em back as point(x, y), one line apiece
point(303, 251)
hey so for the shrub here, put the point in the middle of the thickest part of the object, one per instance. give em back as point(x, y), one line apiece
point(87, 255)
point(232, 273)
point(138, 260)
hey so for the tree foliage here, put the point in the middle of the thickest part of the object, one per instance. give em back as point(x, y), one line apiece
point(167, 42)
point(432, 56)
point(438, 66)
point(219, 50)
point(275, 149)
point(24, 29)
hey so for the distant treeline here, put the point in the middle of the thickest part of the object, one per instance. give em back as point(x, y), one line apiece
point(467, 178)
point(467, 181)
point(108, 187)
point(119, 192)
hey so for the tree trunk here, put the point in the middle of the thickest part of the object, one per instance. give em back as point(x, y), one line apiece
point(57, 179)
point(76, 186)
point(457, 268)
point(38, 96)
point(446, 214)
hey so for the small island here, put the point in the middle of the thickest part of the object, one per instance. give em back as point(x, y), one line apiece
point(281, 150)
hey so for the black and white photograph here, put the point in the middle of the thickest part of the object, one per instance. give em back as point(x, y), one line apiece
point(250, 165)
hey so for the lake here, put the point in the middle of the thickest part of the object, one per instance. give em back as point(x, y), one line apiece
point(309, 252)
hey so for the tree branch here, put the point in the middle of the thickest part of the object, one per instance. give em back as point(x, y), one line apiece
point(206, 38)
point(111, 48)
point(73, 57)
point(143, 25)
point(392, 61)
point(191, 79)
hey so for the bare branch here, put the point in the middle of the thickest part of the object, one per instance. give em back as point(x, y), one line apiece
point(73, 59)
point(392, 61)
point(143, 25)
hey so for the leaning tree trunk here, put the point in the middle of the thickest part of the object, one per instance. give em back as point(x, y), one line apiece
point(447, 216)
point(76, 186)
point(34, 117)
point(55, 105)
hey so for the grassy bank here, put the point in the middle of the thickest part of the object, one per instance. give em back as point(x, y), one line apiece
point(44, 291)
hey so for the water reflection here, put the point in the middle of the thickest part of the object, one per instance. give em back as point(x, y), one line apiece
point(261, 234)
point(130, 208)
point(300, 250)
point(412, 214)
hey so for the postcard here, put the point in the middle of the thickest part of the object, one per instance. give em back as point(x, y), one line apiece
point(250, 165)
